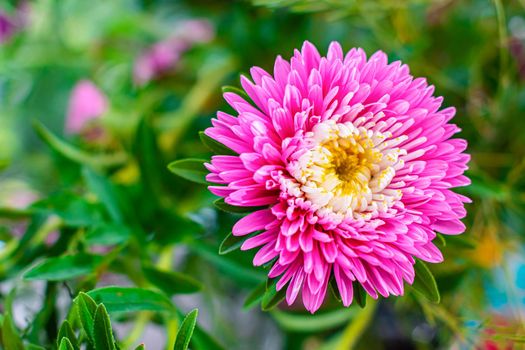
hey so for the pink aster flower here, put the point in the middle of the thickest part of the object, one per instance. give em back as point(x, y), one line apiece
point(86, 104)
point(352, 159)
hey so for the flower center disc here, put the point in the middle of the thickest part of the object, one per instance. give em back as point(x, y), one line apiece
point(347, 169)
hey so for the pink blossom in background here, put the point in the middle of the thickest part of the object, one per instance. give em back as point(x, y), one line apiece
point(86, 103)
point(10, 24)
point(164, 55)
point(353, 161)
point(7, 27)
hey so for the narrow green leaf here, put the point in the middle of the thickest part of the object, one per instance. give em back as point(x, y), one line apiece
point(186, 330)
point(107, 234)
point(64, 267)
point(66, 331)
point(102, 333)
point(230, 243)
point(10, 338)
point(86, 308)
point(172, 282)
point(320, 321)
point(129, 299)
point(255, 296)
point(65, 344)
point(215, 146)
point(201, 339)
point(272, 297)
point(222, 205)
point(425, 283)
point(75, 154)
point(105, 192)
point(359, 294)
point(190, 169)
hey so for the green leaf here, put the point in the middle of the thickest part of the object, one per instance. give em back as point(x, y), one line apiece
point(222, 205)
point(186, 330)
point(102, 333)
point(10, 338)
point(65, 344)
point(75, 154)
point(107, 234)
point(201, 339)
point(215, 146)
point(140, 347)
point(359, 294)
point(129, 299)
point(64, 267)
point(66, 331)
point(231, 267)
point(255, 296)
point(230, 243)
point(106, 193)
point(425, 283)
point(272, 297)
point(86, 308)
point(313, 323)
point(190, 169)
point(172, 282)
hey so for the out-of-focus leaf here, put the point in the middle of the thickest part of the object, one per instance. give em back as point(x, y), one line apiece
point(102, 333)
point(73, 153)
point(66, 331)
point(230, 243)
point(460, 241)
point(272, 297)
point(11, 340)
point(313, 323)
point(14, 213)
point(424, 282)
point(222, 205)
point(106, 193)
point(86, 308)
point(140, 347)
point(224, 263)
point(64, 267)
point(190, 169)
point(172, 282)
point(107, 234)
point(186, 330)
point(65, 344)
point(128, 299)
point(74, 211)
point(215, 146)
point(359, 294)
point(255, 296)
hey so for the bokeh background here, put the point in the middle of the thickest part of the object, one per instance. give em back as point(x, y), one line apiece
point(97, 97)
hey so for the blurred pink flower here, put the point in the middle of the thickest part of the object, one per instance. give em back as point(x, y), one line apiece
point(86, 103)
point(7, 27)
point(353, 161)
point(10, 24)
point(164, 55)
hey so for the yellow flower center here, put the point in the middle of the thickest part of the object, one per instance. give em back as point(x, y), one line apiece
point(348, 169)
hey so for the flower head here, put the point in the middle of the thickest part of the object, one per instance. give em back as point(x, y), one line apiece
point(86, 103)
point(353, 160)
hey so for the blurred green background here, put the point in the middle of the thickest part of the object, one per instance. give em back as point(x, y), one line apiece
point(97, 97)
